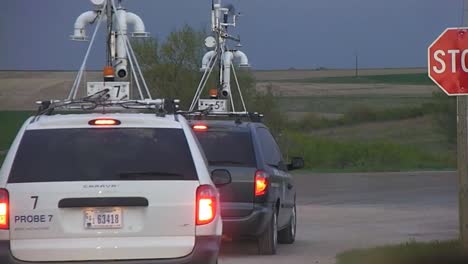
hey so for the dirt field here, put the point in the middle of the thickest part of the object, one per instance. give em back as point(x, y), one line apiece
point(20, 90)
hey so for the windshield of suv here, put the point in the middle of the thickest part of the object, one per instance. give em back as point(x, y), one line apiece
point(228, 148)
point(103, 155)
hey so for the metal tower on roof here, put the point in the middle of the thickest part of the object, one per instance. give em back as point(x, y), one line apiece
point(122, 64)
point(222, 56)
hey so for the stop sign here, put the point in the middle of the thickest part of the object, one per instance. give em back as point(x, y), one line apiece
point(448, 61)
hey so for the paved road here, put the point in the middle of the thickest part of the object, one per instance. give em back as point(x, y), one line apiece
point(344, 211)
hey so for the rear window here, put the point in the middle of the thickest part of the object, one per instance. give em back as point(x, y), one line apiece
point(227, 148)
point(103, 155)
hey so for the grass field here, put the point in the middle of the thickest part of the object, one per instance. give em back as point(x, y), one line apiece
point(342, 104)
point(11, 122)
point(400, 79)
point(328, 154)
point(449, 252)
point(278, 75)
point(2, 157)
point(337, 95)
point(421, 133)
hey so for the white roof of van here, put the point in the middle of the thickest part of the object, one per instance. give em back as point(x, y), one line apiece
point(135, 120)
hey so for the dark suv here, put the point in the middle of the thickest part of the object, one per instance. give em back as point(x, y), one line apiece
point(260, 202)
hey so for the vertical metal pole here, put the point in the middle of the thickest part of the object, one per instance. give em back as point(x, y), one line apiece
point(462, 150)
point(462, 143)
point(109, 32)
point(357, 63)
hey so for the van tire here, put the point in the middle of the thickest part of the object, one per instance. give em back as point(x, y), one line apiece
point(288, 235)
point(268, 241)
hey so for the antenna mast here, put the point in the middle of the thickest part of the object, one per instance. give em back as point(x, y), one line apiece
point(120, 57)
point(220, 55)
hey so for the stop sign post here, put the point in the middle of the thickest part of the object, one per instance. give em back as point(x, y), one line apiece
point(448, 68)
point(448, 61)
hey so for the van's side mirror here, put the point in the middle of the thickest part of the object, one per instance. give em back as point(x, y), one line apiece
point(296, 163)
point(221, 177)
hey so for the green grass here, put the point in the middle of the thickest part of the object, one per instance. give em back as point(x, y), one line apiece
point(11, 122)
point(364, 156)
point(419, 133)
point(2, 157)
point(409, 253)
point(359, 114)
point(403, 79)
point(375, 137)
point(342, 104)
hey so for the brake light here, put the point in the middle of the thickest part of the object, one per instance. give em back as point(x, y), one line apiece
point(261, 183)
point(4, 210)
point(200, 127)
point(104, 122)
point(207, 199)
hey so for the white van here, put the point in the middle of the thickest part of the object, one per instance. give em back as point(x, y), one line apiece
point(108, 188)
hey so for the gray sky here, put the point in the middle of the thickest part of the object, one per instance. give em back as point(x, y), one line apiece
point(276, 34)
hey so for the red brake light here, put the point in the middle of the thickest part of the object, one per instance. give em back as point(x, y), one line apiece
point(4, 210)
point(207, 199)
point(200, 127)
point(104, 122)
point(261, 183)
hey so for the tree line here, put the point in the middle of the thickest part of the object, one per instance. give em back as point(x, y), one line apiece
point(172, 70)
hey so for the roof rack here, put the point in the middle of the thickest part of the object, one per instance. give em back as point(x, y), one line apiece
point(236, 116)
point(99, 102)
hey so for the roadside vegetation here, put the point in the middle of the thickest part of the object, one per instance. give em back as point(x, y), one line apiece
point(441, 107)
point(322, 154)
point(339, 104)
point(360, 114)
point(368, 139)
point(13, 120)
point(449, 252)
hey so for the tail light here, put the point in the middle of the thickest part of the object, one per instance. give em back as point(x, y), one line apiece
point(104, 122)
point(4, 210)
point(207, 199)
point(261, 183)
point(199, 128)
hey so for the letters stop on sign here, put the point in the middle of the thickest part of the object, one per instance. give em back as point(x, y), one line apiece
point(440, 56)
point(448, 61)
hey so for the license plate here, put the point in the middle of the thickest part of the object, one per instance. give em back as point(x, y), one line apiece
point(217, 105)
point(103, 218)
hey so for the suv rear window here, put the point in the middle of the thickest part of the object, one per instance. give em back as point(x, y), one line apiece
point(228, 148)
point(121, 154)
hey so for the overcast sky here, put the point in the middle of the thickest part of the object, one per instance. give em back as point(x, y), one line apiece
point(276, 34)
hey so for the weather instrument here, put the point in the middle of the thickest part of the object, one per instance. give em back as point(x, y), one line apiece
point(122, 65)
point(220, 55)
point(210, 42)
point(99, 3)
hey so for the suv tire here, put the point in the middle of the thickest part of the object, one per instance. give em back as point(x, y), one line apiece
point(288, 235)
point(268, 241)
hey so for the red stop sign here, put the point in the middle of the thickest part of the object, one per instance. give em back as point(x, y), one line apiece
point(448, 61)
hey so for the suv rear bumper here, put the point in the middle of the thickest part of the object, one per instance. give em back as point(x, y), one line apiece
point(252, 225)
point(205, 252)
